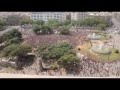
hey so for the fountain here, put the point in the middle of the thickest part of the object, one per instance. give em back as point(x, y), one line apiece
point(100, 49)
point(94, 36)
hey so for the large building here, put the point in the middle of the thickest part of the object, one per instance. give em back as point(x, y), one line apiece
point(78, 15)
point(83, 15)
point(62, 16)
point(45, 16)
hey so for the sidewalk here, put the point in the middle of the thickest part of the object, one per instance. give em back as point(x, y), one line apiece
point(6, 75)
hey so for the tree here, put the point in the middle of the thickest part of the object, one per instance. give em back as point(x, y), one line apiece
point(16, 50)
point(14, 33)
point(39, 22)
point(17, 53)
point(2, 24)
point(101, 26)
point(41, 49)
point(66, 22)
point(11, 37)
point(64, 30)
point(26, 20)
point(94, 22)
point(42, 30)
point(53, 23)
point(55, 51)
point(69, 61)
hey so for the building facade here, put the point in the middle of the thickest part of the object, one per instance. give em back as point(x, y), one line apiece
point(79, 15)
point(45, 16)
point(62, 16)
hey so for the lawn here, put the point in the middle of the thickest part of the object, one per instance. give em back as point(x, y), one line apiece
point(102, 33)
point(85, 49)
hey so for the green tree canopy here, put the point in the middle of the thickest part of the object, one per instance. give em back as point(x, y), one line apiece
point(95, 21)
point(69, 61)
point(16, 50)
point(26, 20)
point(14, 33)
point(54, 23)
point(64, 30)
point(42, 29)
point(39, 22)
point(12, 36)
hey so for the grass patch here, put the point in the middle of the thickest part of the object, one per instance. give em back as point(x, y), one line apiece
point(85, 49)
point(102, 33)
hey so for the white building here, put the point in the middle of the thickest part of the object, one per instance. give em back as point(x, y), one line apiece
point(45, 16)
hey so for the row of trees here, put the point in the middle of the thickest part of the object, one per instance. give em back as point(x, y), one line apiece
point(44, 29)
point(17, 20)
point(99, 22)
point(38, 29)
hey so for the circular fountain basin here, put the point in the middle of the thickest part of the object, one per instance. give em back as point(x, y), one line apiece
point(98, 50)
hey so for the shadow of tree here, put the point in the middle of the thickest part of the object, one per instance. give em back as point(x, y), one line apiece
point(74, 70)
point(25, 61)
